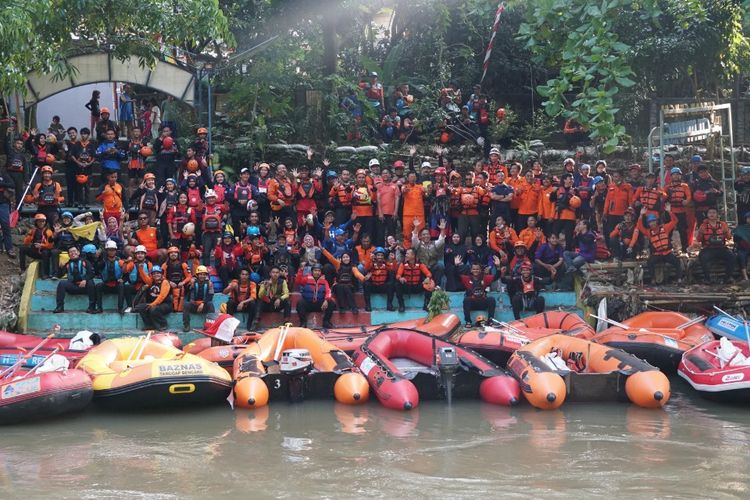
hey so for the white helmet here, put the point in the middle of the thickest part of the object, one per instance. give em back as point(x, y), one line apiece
point(252, 205)
point(210, 193)
point(495, 151)
point(374, 161)
point(140, 248)
point(110, 244)
point(426, 164)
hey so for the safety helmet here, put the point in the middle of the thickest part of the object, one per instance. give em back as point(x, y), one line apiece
point(217, 172)
point(379, 250)
point(650, 218)
point(374, 161)
point(426, 164)
point(156, 269)
point(519, 244)
point(149, 176)
point(67, 214)
point(88, 248)
point(317, 266)
point(339, 232)
point(332, 173)
point(598, 179)
point(202, 130)
point(171, 180)
point(47, 168)
point(109, 245)
point(361, 171)
point(675, 170)
point(40, 217)
point(201, 270)
point(585, 166)
point(398, 164)
point(495, 151)
point(253, 231)
point(173, 249)
point(210, 193)
point(140, 249)
point(104, 110)
point(227, 234)
point(696, 159)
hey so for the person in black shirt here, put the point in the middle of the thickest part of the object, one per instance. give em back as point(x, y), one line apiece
point(6, 200)
point(80, 281)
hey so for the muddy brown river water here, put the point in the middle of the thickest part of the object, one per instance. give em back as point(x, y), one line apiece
point(692, 449)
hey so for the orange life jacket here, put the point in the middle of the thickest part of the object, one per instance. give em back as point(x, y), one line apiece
point(412, 273)
point(379, 273)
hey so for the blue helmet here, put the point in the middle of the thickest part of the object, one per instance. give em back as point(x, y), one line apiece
point(255, 277)
point(253, 231)
point(598, 179)
point(88, 248)
point(67, 214)
point(676, 170)
point(339, 232)
point(227, 234)
point(156, 269)
point(380, 250)
point(171, 180)
point(332, 173)
point(696, 159)
point(650, 218)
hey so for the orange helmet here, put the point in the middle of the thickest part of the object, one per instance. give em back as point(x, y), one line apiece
point(41, 217)
point(149, 176)
point(104, 110)
point(82, 179)
point(192, 165)
point(51, 159)
point(202, 130)
point(173, 249)
point(519, 244)
point(47, 168)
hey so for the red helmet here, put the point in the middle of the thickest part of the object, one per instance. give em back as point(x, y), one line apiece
point(440, 171)
point(104, 110)
point(202, 130)
point(398, 164)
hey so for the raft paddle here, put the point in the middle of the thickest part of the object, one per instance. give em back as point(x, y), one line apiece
point(36, 366)
point(747, 334)
point(143, 346)
point(611, 322)
point(280, 343)
point(15, 213)
point(12, 369)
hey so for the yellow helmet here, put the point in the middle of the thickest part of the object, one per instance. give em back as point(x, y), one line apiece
point(201, 270)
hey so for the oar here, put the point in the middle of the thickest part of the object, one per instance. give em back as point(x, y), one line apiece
point(36, 366)
point(14, 214)
point(508, 326)
point(280, 343)
point(747, 334)
point(724, 312)
point(691, 322)
point(143, 346)
point(11, 369)
point(612, 322)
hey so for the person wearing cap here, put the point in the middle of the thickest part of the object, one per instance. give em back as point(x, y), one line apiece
point(412, 210)
point(37, 244)
point(706, 193)
point(398, 172)
point(147, 198)
point(635, 179)
point(526, 295)
point(242, 198)
point(475, 282)
point(691, 177)
point(649, 196)
point(47, 194)
point(80, 281)
point(212, 225)
point(493, 165)
point(105, 125)
point(111, 270)
point(388, 195)
point(315, 295)
point(713, 235)
point(281, 193)
point(242, 294)
point(622, 235)
point(198, 297)
point(63, 240)
point(137, 275)
point(658, 236)
point(741, 236)
point(273, 295)
point(166, 151)
point(679, 197)
point(111, 197)
point(221, 187)
point(109, 153)
point(742, 188)
point(619, 198)
point(201, 147)
point(154, 303)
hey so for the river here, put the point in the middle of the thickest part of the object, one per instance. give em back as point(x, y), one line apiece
point(692, 449)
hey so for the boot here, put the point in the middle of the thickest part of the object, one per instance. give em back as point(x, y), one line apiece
point(401, 306)
point(368, 307)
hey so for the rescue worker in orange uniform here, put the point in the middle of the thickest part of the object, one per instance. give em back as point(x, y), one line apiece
point(679, 197)
point(713, 235)
point(658, 236)
point(414, 196)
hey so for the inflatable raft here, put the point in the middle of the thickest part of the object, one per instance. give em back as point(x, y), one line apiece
point(295, 364)
point(723, 325)
point(349, 339)
point(719, 370)
point(499, 342)
point(139, 373)
point(658, 337)
point(404, 366)
point(557, 368)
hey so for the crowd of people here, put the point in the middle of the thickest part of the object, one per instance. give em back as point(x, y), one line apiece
point(175, 230)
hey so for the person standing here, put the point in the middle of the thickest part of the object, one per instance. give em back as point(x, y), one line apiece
point(7, 186)
point(93, 107)
point(155, 119)
point(109, 154)
point(17, 163)
point(388, 196)
point(169, 114)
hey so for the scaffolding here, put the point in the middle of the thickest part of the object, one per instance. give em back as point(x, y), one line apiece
point(694, 123)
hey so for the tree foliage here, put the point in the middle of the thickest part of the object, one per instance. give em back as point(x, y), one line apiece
point(40, 35)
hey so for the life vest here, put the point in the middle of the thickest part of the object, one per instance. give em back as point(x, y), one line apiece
point(626, 231)
point(676, 194)
point(112, 270)
point(227, 255)
point(85, 155)
point(66, 238)
point(455, 198)
point(242, 292)
point(212, 218)
point(150, 200)
point(345, 275)
point(343, 196)
point(40, 236)
point(379, 273)
point(528, 287)
point(650, 199)
point(48, 194)
point(584, 190)
point(273, 290)
point(199, 291)
point(476, 288)
point(194, 197)
point(175, 271)
point(181, 216)
point(469, 198)
point(136, 161)
point(285, 193)
point(170, 198)
point(220, 190)
point(253, 256)
point(659, 241)
point(713, 236)
point(16, 165)
point(306, 190)
point(134, 275)
point(242, 194)
point(563, 199)
point(263, 184)
point(72, 274)
point(412, 273)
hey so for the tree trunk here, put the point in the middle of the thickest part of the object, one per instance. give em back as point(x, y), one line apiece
point(330, 46)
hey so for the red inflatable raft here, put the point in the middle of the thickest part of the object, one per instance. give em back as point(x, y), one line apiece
point(403, 366)
point(719, 372)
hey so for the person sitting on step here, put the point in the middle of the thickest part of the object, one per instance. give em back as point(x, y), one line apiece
point(199, 297)
point(475, 280)
point(658, 236)
point(179, 276)
point(713, 235)
point(112, 272)
point(63, 241)
point(315, 296)
point(154, 304)
point(379, 279)
point(80, 282)
point(273, 295)
point(526, 296)
point(413, 277)
point(344, 285)
point(37, 245)
point(138, 275)
point(242, 298)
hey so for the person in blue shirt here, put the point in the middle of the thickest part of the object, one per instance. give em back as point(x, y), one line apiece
point(109, 155)
point(338, 246)
point(548, 260)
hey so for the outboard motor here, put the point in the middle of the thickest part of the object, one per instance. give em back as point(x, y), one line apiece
point(448, 364)
point(295, 365)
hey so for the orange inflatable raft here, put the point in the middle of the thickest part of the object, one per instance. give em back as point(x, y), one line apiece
point(658, 337)
point(295, 364)
point(498, 343)
point(557, 368)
